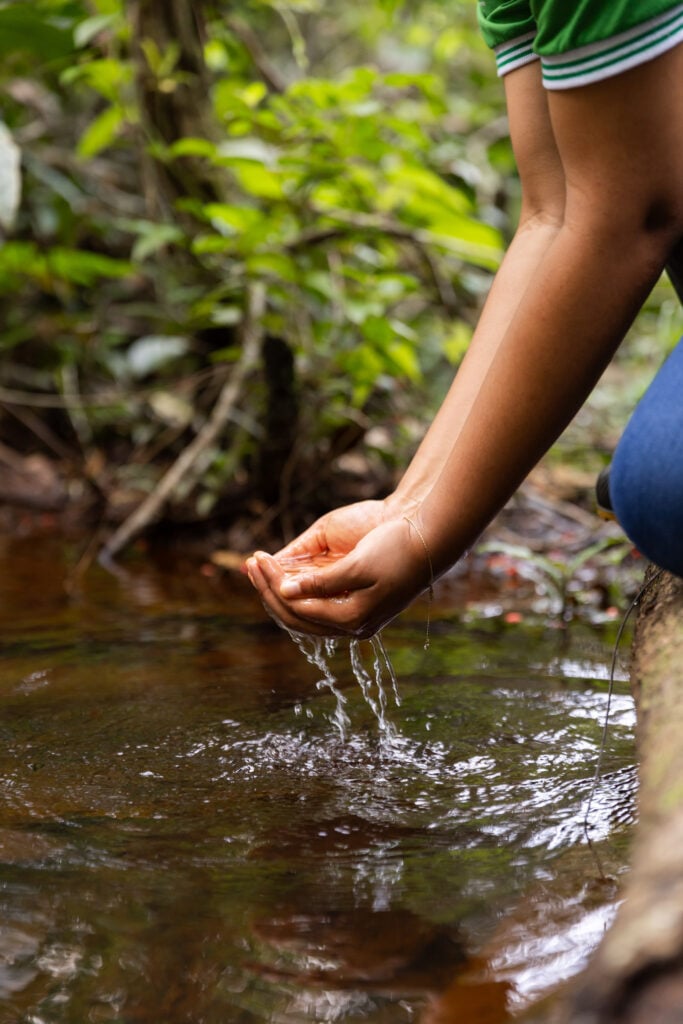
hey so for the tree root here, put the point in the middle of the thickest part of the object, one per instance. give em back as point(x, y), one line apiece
point(636, 975)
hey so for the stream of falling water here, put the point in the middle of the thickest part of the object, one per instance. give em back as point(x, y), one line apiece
point(319, 650)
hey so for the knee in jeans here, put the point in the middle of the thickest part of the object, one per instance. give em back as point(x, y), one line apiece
point(647, 495)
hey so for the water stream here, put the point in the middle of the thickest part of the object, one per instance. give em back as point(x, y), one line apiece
point(189, 834)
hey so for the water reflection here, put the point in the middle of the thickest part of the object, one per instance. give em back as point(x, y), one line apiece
point(186, 836)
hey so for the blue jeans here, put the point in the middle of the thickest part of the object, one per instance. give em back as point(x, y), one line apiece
point(646, 477)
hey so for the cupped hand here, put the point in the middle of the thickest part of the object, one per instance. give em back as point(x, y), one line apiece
point(354, 595)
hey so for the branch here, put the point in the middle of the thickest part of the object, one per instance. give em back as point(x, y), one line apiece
point(185, 466)
point(262, 62)
point(358, 223)
point(104, 400)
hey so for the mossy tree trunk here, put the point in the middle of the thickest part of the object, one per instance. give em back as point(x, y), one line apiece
point(636, 976)
point(173, 88)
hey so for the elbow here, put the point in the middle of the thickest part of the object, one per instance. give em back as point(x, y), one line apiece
point(644, 231)
point(662, 226)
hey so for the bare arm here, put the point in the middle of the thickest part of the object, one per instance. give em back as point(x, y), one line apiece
point(543, 192)
point(543, 199)
point(621, 147)
point(621, 144)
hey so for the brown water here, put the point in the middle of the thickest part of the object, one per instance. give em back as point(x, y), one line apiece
point(186, 836)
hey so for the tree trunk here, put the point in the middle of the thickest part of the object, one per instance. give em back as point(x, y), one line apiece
point(174, 103)
point(636, 976)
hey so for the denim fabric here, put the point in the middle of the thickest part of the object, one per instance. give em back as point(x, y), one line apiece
point(646, 477)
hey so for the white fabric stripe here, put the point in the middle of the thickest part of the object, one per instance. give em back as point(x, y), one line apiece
point(640, 31)
point(519, 62)
point(514, 43)
point(515, 54)
point(586, 75)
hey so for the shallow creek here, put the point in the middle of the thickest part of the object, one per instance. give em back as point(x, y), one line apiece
point(187, 835)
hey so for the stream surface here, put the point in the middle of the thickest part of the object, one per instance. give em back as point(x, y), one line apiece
point(186, 837)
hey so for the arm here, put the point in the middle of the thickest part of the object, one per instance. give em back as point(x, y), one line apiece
point(339, 531)
point(621, 146)
point(541, 215)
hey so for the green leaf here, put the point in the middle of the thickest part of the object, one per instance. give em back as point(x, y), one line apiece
point(191, 146)
point(155, 237)
point(19, 259)
point(84, 268)
point(25, 29)
point(404, 359)
point(228, 219)
point(363, 366)
point(273, 264)
point(258, 181)
point(101, 132)
point(107, 76)
point(87, 30)
point(457, 342)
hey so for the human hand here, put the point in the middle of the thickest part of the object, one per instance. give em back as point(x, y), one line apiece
point(353, 594)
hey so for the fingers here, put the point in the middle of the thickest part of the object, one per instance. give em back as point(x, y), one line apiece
point(326, 610)
point(310, 543)
point(336, 580)
point(321, 583)
point(355, 596)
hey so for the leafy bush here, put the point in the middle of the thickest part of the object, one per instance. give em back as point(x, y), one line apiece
point(352, 164)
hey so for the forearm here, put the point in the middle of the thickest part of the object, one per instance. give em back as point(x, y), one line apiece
point(541, 216)
point(620, 143)
point(609, 156)
point(525, 254)
point(568, 324)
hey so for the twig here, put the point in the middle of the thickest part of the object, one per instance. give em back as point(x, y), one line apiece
point(358, 223)
point(104, 400)
point(28, 419)
point(185, 466)
point(262, 62)
point(74, 410)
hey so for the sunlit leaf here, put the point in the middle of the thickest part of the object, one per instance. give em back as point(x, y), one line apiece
point(457, 341)
point(89, 29)
point(229, 219)
point(190, 146)
point(84, 268)
point(101, 132)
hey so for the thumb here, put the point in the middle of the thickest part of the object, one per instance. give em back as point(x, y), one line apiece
point(333, 580)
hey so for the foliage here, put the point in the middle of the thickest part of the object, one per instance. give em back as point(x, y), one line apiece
point(352, 162)
point(563, 580)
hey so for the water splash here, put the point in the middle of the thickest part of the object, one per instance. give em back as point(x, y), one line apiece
point(380, 650)
point(318, 651)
